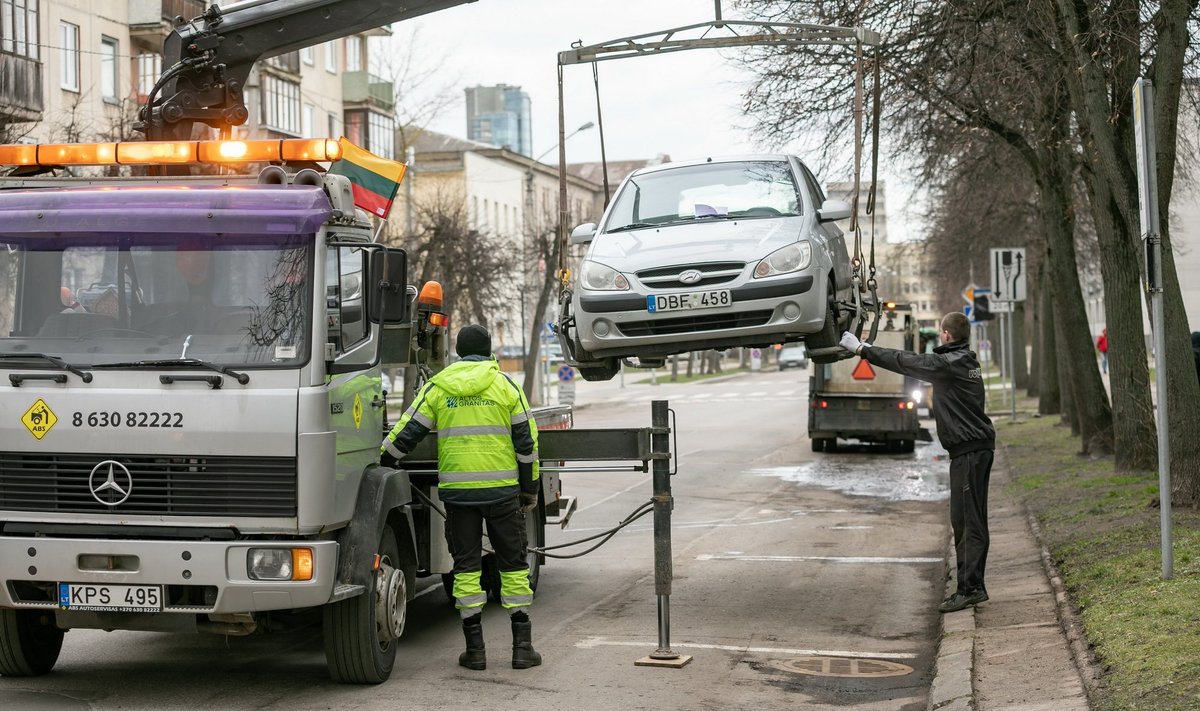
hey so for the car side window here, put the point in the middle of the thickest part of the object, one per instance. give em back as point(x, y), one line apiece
point(814, 188)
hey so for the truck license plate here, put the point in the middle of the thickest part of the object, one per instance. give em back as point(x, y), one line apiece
point(686, 302)
point(110, 598)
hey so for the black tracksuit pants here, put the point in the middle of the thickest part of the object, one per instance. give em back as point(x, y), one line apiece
point(969, 475)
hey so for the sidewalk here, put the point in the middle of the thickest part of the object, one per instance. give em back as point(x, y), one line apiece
point(1010, 652)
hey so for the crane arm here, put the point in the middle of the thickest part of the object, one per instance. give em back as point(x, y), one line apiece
point(209, 58)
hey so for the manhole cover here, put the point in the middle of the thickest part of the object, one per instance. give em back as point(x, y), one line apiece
point(841, 666)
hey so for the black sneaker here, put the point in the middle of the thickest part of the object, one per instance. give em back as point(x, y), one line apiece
point(961, 601)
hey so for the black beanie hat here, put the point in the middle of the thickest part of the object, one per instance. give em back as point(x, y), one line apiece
point(473, 340)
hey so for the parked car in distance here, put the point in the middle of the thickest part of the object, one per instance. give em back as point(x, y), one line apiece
point(719, 253)
point(510, 352)
point(552, 351)
point(793, 355)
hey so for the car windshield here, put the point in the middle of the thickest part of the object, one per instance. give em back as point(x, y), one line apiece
point(95, 299)
point(743, 189)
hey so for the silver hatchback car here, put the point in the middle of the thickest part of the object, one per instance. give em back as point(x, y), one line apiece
point(725, 252)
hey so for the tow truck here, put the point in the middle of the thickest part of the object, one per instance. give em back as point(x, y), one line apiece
point(852, 399)
point(194, 446)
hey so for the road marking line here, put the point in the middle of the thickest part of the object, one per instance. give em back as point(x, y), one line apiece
point(593, 642)
point(819, 558)
point(849, 528)
point(701, 396)
point(729, 394)
point(427, 590)
point(784, 393)
point(610, 497)
point(760, 393)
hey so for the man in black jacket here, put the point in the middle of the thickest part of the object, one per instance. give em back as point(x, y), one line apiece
point(967, 434)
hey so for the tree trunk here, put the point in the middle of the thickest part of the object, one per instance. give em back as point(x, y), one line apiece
point(1049, 382)
point(1035, 335)
point(550, 249)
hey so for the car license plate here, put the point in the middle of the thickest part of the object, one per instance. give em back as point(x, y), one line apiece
point(110, 598)
point(686, 302)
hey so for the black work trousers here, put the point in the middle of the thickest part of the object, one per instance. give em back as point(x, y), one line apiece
point(505, 529)
point(969, 475)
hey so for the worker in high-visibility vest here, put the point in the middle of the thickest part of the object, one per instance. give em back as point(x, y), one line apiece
point(487, 471)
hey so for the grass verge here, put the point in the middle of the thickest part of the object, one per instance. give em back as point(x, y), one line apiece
point(1102, 530)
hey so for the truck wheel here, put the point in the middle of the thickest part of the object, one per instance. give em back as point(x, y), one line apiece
point(908, 445)
point(818, 444)
point(831, 444)
point(29, 642)
point(361, 633)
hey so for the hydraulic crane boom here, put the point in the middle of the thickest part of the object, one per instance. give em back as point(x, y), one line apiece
point(209, 58)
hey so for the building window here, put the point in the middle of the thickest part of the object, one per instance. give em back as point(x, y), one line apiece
point(19, 27)
point(109, 73)
point(354, 53)
point(309, 124)
point(281, 104)
point(331, 57)
point(68, 58)
point(334, 126)
point(308, 56)
point(149, 69)
point(381, 135)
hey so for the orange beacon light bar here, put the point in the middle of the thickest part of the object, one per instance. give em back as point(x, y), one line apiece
point(169, 152)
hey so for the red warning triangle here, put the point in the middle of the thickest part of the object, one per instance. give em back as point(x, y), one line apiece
point(863, 371)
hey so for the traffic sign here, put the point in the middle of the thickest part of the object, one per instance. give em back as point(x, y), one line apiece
point(968, 293)
point(566, 374)
point(1008, 274)
point(863, 371)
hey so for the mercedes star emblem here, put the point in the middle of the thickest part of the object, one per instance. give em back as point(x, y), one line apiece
point(690, 276)
point(116, 486)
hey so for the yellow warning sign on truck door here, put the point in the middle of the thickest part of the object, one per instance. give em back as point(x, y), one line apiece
point(38, 419)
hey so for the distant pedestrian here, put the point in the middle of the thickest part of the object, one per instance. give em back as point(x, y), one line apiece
point(1102, 346)
point(964, 430)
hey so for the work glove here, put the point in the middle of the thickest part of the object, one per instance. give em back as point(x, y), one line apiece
point(850, 342)
point(528, 502)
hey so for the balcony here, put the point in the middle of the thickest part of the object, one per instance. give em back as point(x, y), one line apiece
point(365, 88)
point(153, 20)
point(20, 88)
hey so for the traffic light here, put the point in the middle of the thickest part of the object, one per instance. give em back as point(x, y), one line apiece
point(982, 310)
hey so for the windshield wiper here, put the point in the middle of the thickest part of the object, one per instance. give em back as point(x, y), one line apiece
point(631, 226)
point(223, 370)
point(62, 364)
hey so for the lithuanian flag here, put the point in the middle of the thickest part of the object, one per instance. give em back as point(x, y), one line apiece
point(375, 179)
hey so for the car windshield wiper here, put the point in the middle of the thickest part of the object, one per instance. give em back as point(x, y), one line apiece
point(631, 226)
point(186, 362)
point(62, 364)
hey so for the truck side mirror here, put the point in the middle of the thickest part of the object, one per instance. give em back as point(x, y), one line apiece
point(389, 277)
point(583, 233)
point(833, 210)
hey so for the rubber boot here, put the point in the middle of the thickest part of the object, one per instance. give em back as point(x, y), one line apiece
point(474, 657)
point(524, 655)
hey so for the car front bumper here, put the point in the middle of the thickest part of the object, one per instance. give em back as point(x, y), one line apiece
point(763, 312)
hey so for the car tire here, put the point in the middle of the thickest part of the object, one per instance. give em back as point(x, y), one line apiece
point(606, 369)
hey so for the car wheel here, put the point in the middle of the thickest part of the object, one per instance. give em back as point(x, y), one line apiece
point(827, 337)
point(606, 369)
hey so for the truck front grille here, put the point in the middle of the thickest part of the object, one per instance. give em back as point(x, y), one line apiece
point(161, 486)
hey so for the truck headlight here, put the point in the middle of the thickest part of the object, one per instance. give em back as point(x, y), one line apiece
point(599, 277)
point(791, 258)
point(280, 564)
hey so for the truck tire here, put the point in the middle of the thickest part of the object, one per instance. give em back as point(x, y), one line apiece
point(907, 445)
point(29, 642)
point(361, 633)
point(818, 444)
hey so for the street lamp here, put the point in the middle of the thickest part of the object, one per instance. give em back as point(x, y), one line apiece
point(529, 225)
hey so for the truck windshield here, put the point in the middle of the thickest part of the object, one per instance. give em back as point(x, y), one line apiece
point(92, 299)
point(744, 189)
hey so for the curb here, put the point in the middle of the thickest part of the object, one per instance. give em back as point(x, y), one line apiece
point(953, 686)
point(1068, 618)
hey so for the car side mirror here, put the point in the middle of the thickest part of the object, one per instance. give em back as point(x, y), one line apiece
point(583, 233)
point(389, 276)
point(833, 210)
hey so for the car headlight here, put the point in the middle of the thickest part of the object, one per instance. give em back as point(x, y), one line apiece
point(791, 258)
point(598, 277)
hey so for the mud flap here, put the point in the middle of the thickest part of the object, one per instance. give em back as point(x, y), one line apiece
point(381, 493)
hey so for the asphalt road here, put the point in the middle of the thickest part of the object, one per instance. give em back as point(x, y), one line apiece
point(779, 555)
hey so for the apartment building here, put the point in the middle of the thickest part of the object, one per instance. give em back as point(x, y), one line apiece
point(78, 70)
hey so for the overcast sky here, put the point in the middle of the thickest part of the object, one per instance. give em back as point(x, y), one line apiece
point(684, 104)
